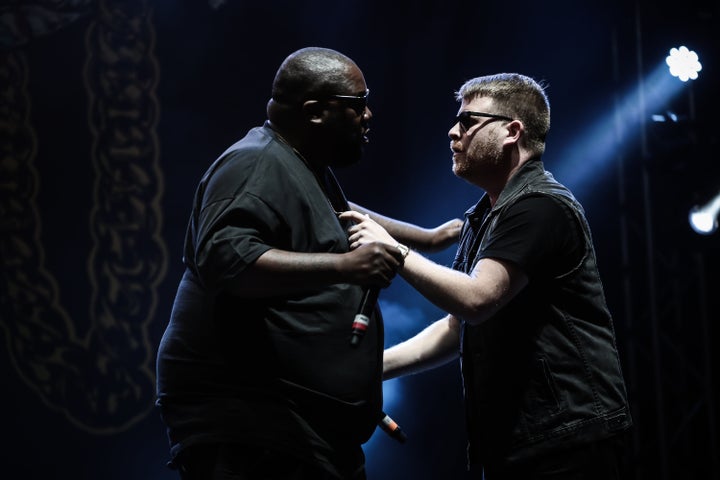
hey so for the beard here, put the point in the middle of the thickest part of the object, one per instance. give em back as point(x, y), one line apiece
point(481, 160)
point(348, 154)
point(347, 148)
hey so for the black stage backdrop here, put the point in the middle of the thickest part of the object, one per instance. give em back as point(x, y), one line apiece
point(111, 110)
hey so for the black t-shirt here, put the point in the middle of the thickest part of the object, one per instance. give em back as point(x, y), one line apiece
point(538, 233)
point(278, 371)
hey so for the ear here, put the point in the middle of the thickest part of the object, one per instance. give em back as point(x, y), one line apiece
point(515, 130)
point(313, 111)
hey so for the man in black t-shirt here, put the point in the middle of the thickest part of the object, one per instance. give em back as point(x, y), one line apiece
point(544, 392)
point(256, 375)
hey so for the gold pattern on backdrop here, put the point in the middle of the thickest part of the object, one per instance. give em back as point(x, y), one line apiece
point(102, 378)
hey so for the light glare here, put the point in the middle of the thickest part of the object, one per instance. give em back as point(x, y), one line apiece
point(704, 219)
point(683, 63)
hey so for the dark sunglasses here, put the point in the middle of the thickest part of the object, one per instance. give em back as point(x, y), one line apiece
point(466, 121)
point(356, 102)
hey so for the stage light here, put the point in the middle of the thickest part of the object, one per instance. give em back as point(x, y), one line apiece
point(704, 219)
point(683, 63)
point(667, 117)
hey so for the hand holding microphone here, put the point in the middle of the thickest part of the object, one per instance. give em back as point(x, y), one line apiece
point(381, 261)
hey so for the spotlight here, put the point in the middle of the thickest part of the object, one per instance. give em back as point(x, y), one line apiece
point(683, 63)
point(704, 219)
point(667, 117)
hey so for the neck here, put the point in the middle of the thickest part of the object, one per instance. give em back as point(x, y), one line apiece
point(293, 141)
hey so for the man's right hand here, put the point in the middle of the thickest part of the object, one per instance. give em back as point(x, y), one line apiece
point(374, 264)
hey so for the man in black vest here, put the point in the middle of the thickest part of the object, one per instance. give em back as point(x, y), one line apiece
point(544, 392)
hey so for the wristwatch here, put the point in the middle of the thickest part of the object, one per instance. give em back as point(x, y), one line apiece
point(404, 250)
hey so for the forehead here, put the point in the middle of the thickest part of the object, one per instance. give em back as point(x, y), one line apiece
point(356, 79)
point(478, 104)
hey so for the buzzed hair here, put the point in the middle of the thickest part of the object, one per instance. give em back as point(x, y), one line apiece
point(516, 96)
point(311, 72)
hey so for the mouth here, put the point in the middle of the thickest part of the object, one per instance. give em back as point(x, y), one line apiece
point(365, 138)
point(457, 155)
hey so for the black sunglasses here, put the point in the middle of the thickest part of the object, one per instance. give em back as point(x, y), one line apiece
point(356, 102)
point(465, 118)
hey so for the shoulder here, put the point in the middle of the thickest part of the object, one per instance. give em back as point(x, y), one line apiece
point(257, 155)
point(540, 209)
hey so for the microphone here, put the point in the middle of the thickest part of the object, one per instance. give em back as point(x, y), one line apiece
point(362, 318)
point(391, 428)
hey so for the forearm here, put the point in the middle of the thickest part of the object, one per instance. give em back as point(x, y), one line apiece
point(473, 297)
point(414, 236)
point(278, 272)
point(434, 346)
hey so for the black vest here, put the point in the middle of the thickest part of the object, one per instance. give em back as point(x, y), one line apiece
point(544, 372)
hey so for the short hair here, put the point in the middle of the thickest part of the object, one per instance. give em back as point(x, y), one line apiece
point(517, 96)
point(311, 72)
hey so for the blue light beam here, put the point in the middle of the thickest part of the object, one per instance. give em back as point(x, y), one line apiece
point(586, 158)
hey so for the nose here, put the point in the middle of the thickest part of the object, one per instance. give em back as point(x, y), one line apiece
point(454, 132)
point(367, 113)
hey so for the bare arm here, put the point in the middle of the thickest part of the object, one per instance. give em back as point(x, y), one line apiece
point(436, 345)
point(473, 298)
point(278, 272)
point(419, 238)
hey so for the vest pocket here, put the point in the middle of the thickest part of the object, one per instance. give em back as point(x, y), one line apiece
point(543, 399)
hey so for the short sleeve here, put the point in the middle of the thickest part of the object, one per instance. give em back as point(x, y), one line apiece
point(538, 233)
point(233, 234)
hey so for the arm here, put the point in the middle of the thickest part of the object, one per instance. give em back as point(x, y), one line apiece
point(473, 298)
point(278, 272)
point(434, 346)
point(233, 250)
point(422, 239)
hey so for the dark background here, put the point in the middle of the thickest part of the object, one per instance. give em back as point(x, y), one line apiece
point(111, 111)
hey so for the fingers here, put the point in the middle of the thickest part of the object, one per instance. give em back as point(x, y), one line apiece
point(377, 263)
point(366, 231)
point(391, 269)
point(355, 239)
point(446, 234)
point(356, 217)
